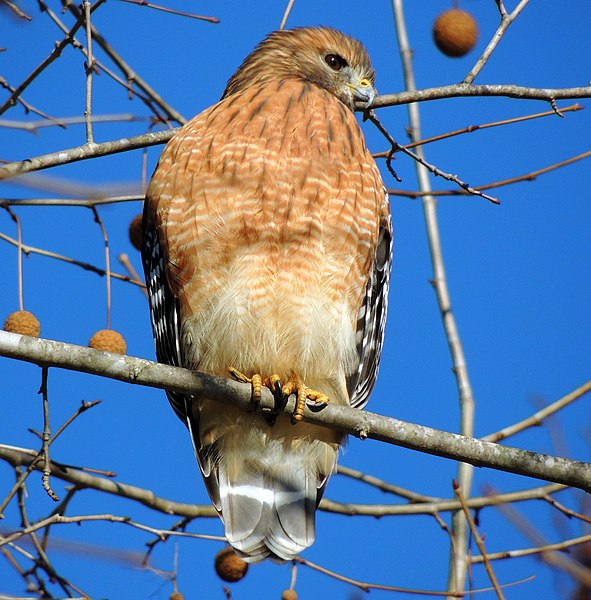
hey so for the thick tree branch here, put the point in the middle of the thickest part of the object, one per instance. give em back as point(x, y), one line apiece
point(361, 424)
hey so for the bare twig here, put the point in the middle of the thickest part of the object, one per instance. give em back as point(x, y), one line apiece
point(383, 485)
point(567, 511)
point(538, 417)
point(478, 540)
point(506, 20)
point(488, 186)
point(86, 266)
point(81, 478)
point(98, 220)
point(43, 561)
point(59, 519)
point(366, 587)
point(473, 128)
point(436, 506)
point(84, 202)
point(124, 83)
point(16, 10)
point(46, 436)
point(29, 108)
point(396, 147)
point(19, 259)
point(89, 67)
point(172, 11)
point(129, 73)
point(63, 122)
point(558, 546)
point(55, 53)
point(286, 14)
point(555, 559)
point(124, 260)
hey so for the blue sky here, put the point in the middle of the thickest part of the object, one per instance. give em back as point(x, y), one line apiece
point(519, 277)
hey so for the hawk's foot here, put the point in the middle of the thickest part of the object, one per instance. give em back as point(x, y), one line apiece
point(257, 382)
point(295, 385)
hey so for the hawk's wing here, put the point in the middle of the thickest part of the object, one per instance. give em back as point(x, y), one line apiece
point(164, 312)
point(371, 320)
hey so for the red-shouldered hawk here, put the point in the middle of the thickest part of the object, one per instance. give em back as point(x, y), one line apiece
point(267, 246)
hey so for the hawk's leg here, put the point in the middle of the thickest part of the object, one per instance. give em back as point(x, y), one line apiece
point(294, 385)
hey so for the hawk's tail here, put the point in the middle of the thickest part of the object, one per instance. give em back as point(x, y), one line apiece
point(266, 482)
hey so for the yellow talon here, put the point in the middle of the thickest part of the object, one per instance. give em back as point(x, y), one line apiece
point(294, 385)
point(303, 393)
point(257, 382)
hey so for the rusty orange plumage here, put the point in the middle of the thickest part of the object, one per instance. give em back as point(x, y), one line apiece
point(267, 245)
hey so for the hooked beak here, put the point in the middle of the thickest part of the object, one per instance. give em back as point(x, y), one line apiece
point(364, 93)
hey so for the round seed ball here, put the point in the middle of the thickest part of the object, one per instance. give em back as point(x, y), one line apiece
point(289, 595)
point(135, 232)
point(230, 567)
point(23, 322)
point(455, 32)
point(108, 340)
point(177, 596)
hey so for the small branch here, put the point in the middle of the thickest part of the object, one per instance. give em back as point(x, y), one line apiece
point(84, 406)
point(80, 477)
point(473, 128)
point(555, 559)
point(32, 464)
point(29, 108)
point(33, 126)
point(418, 157)
point(559, 546)
point(55, 53)
point(46, 437)
point(366, 587)
point(437, 506)
point(506, 20)
point(16, 10)
point(172, 11)
point(478, 540)
point(98, 220)
point(89, 67)
point(86, 266)
point(361, 424)
point(129, 73)
point(286, 14)
point(70, 155)
point(567, 511)
point(84, 202)
point(19, 259)
point(59, 519)
point(124, 260)
point(488, 186)
point(384, 486)
point(538, 417)
point(125, 84)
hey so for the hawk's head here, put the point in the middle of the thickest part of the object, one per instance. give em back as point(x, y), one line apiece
point(323, 56)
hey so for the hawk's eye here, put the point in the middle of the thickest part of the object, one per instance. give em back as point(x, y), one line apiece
point(335, 62)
